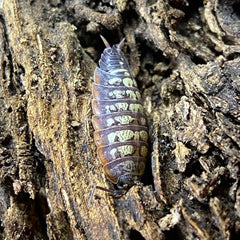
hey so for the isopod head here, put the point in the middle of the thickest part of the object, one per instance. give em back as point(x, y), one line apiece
point(127, 181)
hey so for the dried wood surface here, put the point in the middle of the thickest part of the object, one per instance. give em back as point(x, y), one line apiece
point(185, 57)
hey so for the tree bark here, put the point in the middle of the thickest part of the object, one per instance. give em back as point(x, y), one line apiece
point(185, 57)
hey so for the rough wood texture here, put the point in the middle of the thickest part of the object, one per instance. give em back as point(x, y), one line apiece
point(185, 57)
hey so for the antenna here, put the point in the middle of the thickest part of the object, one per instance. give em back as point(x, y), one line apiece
point(119, 46)
point(105, 42)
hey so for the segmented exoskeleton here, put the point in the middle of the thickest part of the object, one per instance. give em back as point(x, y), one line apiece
point(121, 133)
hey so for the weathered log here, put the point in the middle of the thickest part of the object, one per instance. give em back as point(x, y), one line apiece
point(185, 57)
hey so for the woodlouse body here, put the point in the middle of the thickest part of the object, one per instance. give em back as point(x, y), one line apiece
point(120, 126)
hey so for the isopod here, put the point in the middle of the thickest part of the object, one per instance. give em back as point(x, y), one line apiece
point(121, 133)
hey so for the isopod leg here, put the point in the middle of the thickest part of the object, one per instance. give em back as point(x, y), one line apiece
point(115, 193)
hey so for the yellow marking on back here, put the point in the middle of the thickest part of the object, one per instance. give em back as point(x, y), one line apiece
point(138, 95)
point(119, 71)
point(143, 151)
point(136, 107)
point(144, 135)
point(128, 82)
point(133, 167)
point(126, 119)
point(122, 106)
point(129, 166)
point(125, 135)
point(110, 122)
point(133, 95)
point(110, 108)
point(126, 150)
point(118, 93)
point(113, 152)
point(120, 136)
point(115, 81)
point(143, 121)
